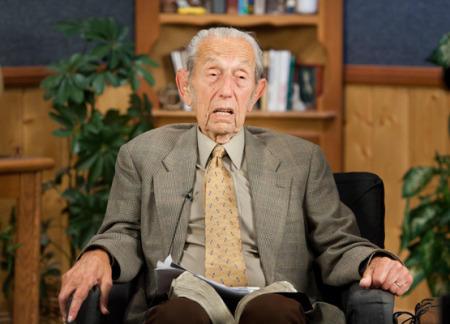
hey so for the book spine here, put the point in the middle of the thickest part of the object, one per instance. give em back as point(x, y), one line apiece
point(272, 6)
point(290, 82)
point(265, 95)
point(243, 7)
point(259, 7)
point(251, 7)
point(232, 6)
point(273, 99)
point(284, 63)
point(218, 6)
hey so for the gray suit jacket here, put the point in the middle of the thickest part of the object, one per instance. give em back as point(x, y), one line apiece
point(299, 219)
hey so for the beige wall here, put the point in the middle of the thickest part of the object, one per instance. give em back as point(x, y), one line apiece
point(387, 130)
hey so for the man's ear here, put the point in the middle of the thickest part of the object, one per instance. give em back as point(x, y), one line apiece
point(183, 86)
point(259, 90)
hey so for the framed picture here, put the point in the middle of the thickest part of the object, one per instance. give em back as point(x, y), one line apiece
point(309, 78)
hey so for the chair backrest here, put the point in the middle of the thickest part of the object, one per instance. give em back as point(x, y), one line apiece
point(363, 193)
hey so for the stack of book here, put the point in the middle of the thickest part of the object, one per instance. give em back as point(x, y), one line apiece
point(244, 7)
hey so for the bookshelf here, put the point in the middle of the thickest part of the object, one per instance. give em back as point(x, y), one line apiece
point(313, 39)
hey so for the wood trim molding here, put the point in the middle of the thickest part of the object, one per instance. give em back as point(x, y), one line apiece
point(24, 76)
point(31, 76)
point(394, 75)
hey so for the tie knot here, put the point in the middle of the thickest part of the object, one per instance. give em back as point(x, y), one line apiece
point(219, 152)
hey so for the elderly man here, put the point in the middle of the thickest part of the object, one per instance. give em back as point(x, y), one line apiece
point(264, 207)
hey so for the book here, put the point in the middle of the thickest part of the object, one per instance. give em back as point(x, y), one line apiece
point(259, 8)
point(251, 7)
point(290, 82)
point(284, 58)
point(218, 6)
point(243, 7)
point(273, 81)
point(232, 6)
point(263, 103)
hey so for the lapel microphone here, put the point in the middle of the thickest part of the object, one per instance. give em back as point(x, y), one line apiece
point(186, 196)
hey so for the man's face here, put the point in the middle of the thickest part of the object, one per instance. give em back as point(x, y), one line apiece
point(223, 86)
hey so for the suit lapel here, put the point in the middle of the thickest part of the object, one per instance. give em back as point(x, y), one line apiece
point(270, 192)
point(170, 186)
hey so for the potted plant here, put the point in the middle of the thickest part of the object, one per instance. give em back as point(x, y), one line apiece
point(108, 58)
point(426, 226)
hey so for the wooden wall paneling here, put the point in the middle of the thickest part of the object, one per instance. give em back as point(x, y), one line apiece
point(10, 137)
point(39, 141)
point(114, 98)
point(428, 125)
point(390, 152)
point(10, 121)
point(358, 129)
point(331, 33)
point(390, 157)
point(147, 32)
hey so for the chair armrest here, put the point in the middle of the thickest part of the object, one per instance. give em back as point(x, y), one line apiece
point(118, 299)
point(374, 306)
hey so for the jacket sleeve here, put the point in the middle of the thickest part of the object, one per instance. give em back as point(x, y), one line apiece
point(120, 232)
point(333, 232)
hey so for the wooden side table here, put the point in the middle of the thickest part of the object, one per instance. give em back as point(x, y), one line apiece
point(21, 178)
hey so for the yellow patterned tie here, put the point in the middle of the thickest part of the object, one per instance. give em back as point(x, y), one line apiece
point(224, 259)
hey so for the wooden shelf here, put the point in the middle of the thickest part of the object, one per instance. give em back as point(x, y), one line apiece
point(254, 114)
point(240, 21)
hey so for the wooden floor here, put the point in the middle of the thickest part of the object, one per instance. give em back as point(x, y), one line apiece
point(387, 130)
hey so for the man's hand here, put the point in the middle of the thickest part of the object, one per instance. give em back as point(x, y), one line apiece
point(92, 269)
point(387, 274)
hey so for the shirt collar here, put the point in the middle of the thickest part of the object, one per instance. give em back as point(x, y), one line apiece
point(234, 148)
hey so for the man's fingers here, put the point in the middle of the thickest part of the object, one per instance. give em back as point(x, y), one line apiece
point(366, 281)
point(78, 298)
point(104, 289)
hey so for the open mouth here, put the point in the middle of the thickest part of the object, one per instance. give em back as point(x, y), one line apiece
point(223, 112)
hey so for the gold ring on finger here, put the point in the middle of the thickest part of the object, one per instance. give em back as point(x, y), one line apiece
point(398, 285)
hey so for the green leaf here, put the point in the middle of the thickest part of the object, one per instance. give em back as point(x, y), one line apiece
point(134, 81)
point(80, 81)
point(144, 59)
point(441, 54)
point(147, 105)
point(61, 93)
point(99, 83)
point(423, 218)
point(122, 33)
point(51, 81)
point(113, 79)
point(140, 128)
point(61, 120)
point(145, 74)
point(62, 132)
point(49, 94)
point(72, 195)
point(100, 51)
point(415, 180)
point(113, 60)
point(75, 145)
point(87, 161)
point(95, 171)
point(76, 94)
point(418, 276)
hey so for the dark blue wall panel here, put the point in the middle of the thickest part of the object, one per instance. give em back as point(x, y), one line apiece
point(386, 32)
point(27, 35)
point(393, 32)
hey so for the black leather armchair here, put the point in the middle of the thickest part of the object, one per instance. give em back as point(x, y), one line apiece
point(363, 193)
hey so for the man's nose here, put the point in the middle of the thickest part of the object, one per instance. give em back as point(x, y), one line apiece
point(226, 88)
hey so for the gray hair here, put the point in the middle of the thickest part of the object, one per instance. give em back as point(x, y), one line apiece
point(223, 32)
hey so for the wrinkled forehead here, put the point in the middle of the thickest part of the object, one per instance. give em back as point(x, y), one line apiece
point(215, 49)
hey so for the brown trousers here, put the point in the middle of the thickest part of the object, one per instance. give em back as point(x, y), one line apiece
point(264, 309)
